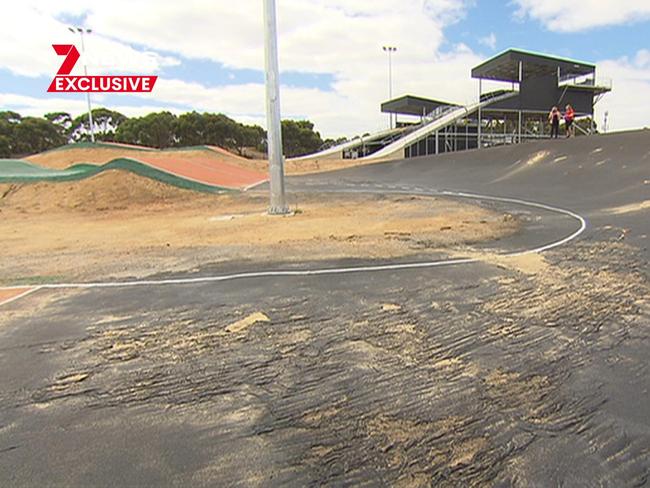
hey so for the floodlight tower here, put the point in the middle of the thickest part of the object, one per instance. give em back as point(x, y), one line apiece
point(390, 50)
point(274, 128)
point(81, 32)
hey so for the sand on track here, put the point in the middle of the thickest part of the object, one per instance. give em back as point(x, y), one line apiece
point(120, 224)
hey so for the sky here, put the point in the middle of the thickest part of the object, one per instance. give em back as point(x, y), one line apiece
point(209, 54)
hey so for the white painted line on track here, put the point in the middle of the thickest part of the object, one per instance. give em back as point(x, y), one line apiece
point(343, 270)
point(19, 296)
point(546, 247)
point(254, 185)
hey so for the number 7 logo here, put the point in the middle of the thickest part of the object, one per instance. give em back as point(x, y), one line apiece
point(71, 57)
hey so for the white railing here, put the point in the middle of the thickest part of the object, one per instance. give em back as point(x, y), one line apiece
point(599, 82)
point(350, 144)
point(448, 117)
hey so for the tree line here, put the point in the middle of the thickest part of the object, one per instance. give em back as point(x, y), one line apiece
point(20, 136)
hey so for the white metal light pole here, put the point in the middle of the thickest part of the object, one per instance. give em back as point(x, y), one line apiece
point(81, 31)
point(274, 128)
point(390, 50)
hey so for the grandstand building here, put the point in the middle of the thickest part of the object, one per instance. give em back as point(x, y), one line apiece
point(532, 84)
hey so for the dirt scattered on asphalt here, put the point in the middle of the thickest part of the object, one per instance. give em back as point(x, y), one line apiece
point(32, 305)
point(451, 389)
point(65, 382)
point(530, 263)
point(245, 323)
point(593, 294)
point(521, 166)
point(630, 208)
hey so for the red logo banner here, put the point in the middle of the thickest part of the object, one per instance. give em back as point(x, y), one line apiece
point(102, 84)
point(63, 82)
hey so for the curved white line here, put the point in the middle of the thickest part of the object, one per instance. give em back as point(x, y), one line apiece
point(350, 269)
point(546, 247)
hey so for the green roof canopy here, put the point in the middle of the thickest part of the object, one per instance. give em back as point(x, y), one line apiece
point(505, 66)
point(411, 105)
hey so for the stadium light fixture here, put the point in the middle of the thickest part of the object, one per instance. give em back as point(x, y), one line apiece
point(390, 50)
point(278, 204)
point(81, 31)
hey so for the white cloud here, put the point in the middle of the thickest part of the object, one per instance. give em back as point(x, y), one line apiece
point(626, 104)
point(27, 39)
point(326, 36)
point(32, 106)
point(338, 37)
point(642, 58)
point(489, 41)
point(566, 16)
point(37, 106)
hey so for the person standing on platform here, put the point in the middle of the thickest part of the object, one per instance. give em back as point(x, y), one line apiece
point(554, 120)
point(569, 115)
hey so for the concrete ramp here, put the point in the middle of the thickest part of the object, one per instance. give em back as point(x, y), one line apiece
point(336, 152)
point(396, 149)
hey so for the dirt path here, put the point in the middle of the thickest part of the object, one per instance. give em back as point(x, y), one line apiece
point(52, 232)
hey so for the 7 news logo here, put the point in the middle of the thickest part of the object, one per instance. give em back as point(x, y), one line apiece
point(67, 83)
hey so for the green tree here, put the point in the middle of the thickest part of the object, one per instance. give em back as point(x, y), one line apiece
point(327, 143)
point(79, 130)
point(105, 123)
point(248, 136)
point(22, 135)
point(61, 120)
point(191, 129)
point(194, 129)
point(6, 131)
point(154, 130)
point(34, 134)
point(220, 130)
point(299, 138)
point(10, 117)
point(8, 121)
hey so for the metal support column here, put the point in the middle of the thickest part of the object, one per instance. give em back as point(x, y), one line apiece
point(278, 204)
point(521, 77)
point(437, 143)
point(480, 114)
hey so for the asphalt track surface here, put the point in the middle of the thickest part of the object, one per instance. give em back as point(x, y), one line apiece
point(475, 375)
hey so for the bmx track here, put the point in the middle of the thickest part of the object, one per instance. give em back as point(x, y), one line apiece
point(453, 371)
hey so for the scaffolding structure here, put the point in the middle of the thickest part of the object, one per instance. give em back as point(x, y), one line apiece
point(529, 85)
